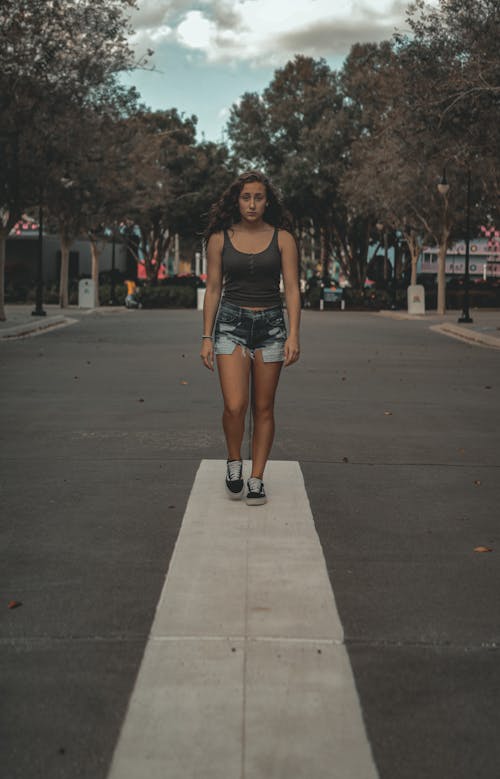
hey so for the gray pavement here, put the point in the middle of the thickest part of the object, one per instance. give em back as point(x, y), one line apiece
point(20, 322)
point(484, 330)
point(395, 426)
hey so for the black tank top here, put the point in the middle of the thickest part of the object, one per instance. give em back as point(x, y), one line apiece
point(252, 279)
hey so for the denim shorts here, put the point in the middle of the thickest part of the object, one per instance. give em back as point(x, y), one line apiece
point(265, 330)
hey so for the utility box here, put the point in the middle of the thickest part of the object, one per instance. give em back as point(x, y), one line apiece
point(200, 298)
point(86, 293)
point(416, 299)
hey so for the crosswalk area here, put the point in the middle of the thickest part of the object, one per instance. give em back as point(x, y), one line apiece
point(245, 674)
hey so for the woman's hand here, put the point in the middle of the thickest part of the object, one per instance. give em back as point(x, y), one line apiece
point(207, 353)
point(292, 350)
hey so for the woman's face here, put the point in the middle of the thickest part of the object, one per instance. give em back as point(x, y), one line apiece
point(252, 201)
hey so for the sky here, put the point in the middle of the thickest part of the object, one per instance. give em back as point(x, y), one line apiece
point(207, 53)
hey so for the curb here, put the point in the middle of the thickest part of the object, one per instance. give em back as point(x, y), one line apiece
point(403, 315)
point(473, 337)
point(469, 336)
point(35, 328)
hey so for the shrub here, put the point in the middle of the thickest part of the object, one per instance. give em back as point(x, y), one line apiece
point(167, 296)
point(105, 294)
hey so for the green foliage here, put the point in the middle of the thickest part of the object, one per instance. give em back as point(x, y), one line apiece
point(172, 296)
point(59, 62)
point(368, 143)
point(301, 131)
point(105, 294)
point(174, 181)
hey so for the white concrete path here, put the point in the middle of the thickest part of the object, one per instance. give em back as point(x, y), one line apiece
point(245, 675)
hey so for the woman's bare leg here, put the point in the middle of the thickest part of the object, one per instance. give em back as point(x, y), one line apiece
point(265, 380)
point(234, 374)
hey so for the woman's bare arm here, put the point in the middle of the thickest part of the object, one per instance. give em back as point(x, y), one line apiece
point(212, 295)
point(290, 270)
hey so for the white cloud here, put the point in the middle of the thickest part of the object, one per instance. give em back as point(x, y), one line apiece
point(196, 31)
point(266, 32)
point(151, 37)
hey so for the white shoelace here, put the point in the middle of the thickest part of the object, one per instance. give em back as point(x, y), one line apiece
point(234, 470)
point(254, 484)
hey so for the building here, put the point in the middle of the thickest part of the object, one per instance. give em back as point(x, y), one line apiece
point(484, 262)
point(22, 257)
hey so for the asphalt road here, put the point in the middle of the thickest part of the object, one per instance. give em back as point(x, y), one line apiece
point(103, 426)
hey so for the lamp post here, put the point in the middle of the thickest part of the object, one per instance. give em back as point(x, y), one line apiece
point(112, 300)
point(443, 189)
point(381, 227)
point(39, 310)
point(466, 317)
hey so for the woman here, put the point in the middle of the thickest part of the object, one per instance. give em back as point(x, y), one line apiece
point(247, 249)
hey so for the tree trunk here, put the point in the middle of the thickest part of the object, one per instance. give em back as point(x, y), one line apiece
point(63, 281)
point(3, 241)
point(95, 270)
point(414, 255)
point(414, 249)
point(177, 255)
point(323, 243)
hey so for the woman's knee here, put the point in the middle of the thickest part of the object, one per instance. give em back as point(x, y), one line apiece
point(263, 411)
point(235, 409)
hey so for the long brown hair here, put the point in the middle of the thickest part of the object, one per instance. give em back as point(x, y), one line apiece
point(226, 211)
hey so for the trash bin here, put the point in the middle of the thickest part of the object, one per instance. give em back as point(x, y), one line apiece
point(416, 299)
point(86, 293)
point(200, 298)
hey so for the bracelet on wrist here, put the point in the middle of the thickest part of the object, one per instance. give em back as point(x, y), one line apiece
point(208, 336)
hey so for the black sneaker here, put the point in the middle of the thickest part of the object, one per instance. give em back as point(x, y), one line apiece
point(255, 495)
point(234, 479)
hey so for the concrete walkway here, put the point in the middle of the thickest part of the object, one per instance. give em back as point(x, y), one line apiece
point(245, 674)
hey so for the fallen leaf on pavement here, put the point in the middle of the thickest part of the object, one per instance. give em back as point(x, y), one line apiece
point(477, 483)
point(345, 459)
point(184, 382)
point(483, 549)
point(14, 604)
point(388, 413)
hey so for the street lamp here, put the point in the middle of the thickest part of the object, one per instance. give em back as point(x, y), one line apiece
point(39, 310)
point(443, 189)
point(443, 186)
point(466, 317)
point(381, 227)
point(113, 301)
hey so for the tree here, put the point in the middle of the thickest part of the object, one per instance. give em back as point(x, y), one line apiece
point(301, 130)
point(210, 173)
point(162, 156)
point(398, 165)
point(88, 186)
point(283, 131)
point(55, 57)
point(457, 44)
